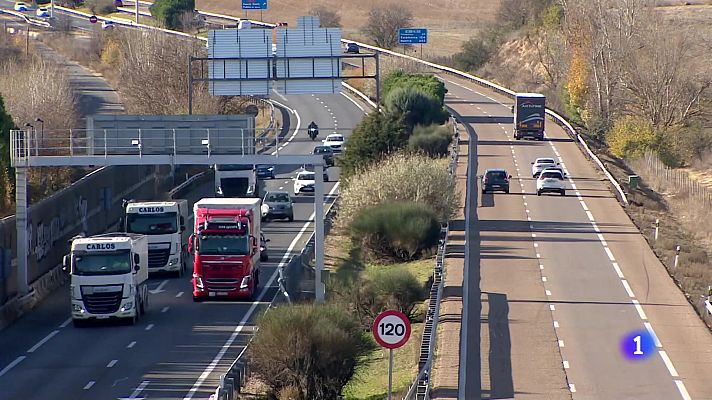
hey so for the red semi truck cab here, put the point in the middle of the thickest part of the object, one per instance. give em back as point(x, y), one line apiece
point(225, 248)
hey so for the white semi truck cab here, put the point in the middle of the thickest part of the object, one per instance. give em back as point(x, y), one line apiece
point(109, 275)
point(163, 223)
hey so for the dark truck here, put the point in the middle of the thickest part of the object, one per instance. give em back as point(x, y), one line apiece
point(529, 115)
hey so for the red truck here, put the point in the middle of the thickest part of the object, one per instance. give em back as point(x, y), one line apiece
point(225, 248)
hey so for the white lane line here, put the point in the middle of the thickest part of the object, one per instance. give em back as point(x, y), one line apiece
point(683, 390)
point(132, 344)
point(552, 307)
point(556, 324)
point(149, 327)
point(566, 365)
point(572, 388)
point(583, 204)
point(111, 363)
point(543, 279)
point(561, 343)
point(538, 255)
point(618, 270)
point(627, 288)
point(533, 235)
point(89, 385)
point(139, 389)
point(43, 341)
point(649, 327)
point(529, 219)
point(179, 294)
point(12, 365)
point(536, 245)
point(601, 238)
point(296, 128)
point(590, 216)
point(595, 227)
point(354, 101)
point(548, 292)
point(638, 308)
point(160, 287)
point(668, 363)
point(241, 326)
point(610, 253)
point(541, 266)
point(527, 211)
point(165, 309)
point(66, 322)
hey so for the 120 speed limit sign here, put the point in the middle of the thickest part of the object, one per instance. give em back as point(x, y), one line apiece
point(391, 329)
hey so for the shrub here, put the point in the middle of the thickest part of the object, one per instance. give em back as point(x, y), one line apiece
point(631, 137)
point(427, 83)
point(376, 136)
point(475, 52)
point(415, 107)
point(401, 177)
point(389, 289)
point(311, 349)
point(396, 230)
point(328, 18)
point(100, 6)
point(171, 12)
point(433, 140)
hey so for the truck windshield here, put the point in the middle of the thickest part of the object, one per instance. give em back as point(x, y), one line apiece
point(108, 263)
point(152, 224)
point(219, 245)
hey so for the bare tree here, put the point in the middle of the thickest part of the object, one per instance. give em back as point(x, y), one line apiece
point(327, 18)
point(384, 22)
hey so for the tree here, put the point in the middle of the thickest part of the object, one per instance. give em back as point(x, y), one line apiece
point(414, 107)
point(327, 17)
point(383, 24)
point(308, 349)
point(518, 13)
point(6, 178)
point(171, 12)
point(427, 83)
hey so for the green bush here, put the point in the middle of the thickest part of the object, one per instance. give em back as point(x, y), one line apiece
point(400, 177)
point(631, 137)
point(415, 107)
point(312, 350)
point(390, 289)
point(433, 140)
point(427, 83)
point(374, 138)
point(169, 12)
point(401, 231)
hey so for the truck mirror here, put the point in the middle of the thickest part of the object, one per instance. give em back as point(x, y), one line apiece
point(65, 263)
point(190, 244)
point(182, 221)
point(182, 228)
point(253, 240)
point(137, 267)
point(137, 259)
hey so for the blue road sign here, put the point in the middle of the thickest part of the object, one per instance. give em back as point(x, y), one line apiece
point(413, 36)
point(254, 4)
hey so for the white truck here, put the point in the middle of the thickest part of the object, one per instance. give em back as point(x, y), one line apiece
point(164, 224)
point(236, 180)
point(109, 275)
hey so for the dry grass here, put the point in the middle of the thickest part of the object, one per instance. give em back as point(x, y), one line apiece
point(450, 22)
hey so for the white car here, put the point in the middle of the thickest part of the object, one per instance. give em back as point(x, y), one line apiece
point(550, 180)
point(21, 6)
point(304, 182)
point(541, 164)
point(335, 141)
point(107, 24)
point(42, 12)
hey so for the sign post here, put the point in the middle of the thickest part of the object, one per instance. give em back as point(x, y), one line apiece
point(391, 329)
point(413, 36)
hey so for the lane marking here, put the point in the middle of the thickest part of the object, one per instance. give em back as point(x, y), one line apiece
point(179, 294)
point(241, 326)
point(111, 363)
point(139, 389)
point(552, 307)
point(627, 288)
point(589, 215)
point(149, 327)
point(159, 289)
point(561, 343)
point(583, 204)
point(43, 341)
point(649, 327)
point(618, 270)
point(89, 385)
point(610, 254)
point(548, 292)
point(683, 390)
point(536, 245)
point(541, 266)
point(132, 344)
point(65, 323)
point(572, 388)
point(638, 308)
point(566, 364)
point(556, 324)
point(296, 128)
point(355, 102)
point(166, 308)
point(668, 363)
point(538, 255)
point(12, 365)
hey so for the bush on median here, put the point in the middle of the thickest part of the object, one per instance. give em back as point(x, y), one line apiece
point(433, 140)
point(414, 107)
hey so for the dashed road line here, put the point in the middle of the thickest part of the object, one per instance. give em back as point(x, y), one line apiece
point(627, 288)
point(561, 343)
point(12, 365)
point(89, 385)
point(179, 294)
point(682, 389)
point(66, 322)
point(139, 389)
point(552, 307)
point(43, 341)
point(132, 344)
point(165, 309)
point(668, 363)
point(566, 365)
point(556, 324)
point(111, 363)
point(149, 327)
point(548, 292)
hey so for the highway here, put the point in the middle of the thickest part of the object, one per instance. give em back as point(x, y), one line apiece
point(563, 279)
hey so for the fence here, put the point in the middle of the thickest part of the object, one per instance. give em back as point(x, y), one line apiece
point(662, 178)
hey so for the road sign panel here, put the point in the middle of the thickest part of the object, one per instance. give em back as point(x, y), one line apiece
point(254, 4)
point(413, 36)
point(391, 329)
point(93, 19)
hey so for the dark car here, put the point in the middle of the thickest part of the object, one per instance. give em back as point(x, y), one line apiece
point(265, 171)
point(327, 152)
point(495, 179)
point(352, 48)
point(278, 204)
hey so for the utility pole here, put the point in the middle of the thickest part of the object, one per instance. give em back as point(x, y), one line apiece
point(136, 2)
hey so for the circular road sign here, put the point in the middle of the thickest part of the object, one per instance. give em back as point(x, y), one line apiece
point(93, 19)
point(391, 329)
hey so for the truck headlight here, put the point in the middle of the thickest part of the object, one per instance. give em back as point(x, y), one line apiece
point(245, 283)
point(173, 261)
point(218, 190)
point(199, 282)
point(78, 308)
point(128, 306)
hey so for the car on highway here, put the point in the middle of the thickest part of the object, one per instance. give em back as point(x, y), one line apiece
point(327, 152)
point(542, 163)
point(265, 171)
point(335, 141)
point(310, 168)
point(42, 12)
point(304, 182)
point(107, 25)
point(264, 256)
point(557, 168)
point(352, 48)
point(277, 204)
point(495, 179)
point(550, 180)
point(21, 6)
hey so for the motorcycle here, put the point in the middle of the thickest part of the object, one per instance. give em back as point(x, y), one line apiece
point(313, 133)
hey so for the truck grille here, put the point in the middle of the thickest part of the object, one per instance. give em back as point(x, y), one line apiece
point(102, 303)
point(158, 258)
point(222, 284)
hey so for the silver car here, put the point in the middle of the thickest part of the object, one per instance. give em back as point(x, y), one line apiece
point(277, 204)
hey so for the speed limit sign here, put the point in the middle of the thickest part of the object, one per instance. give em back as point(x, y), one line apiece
point(391, 329)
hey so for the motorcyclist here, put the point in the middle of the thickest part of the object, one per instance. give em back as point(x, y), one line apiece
point(313, 129)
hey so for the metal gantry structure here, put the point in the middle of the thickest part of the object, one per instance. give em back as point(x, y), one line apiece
point(84, 148)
